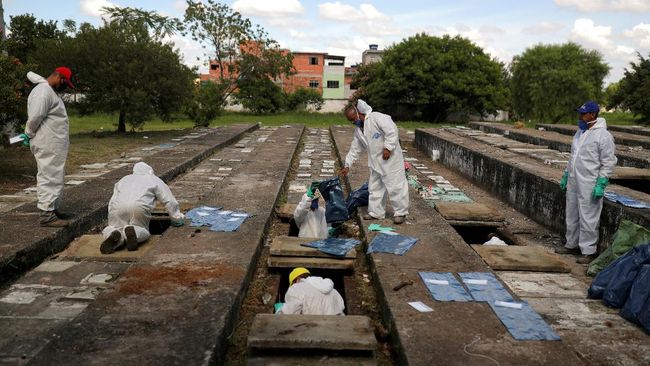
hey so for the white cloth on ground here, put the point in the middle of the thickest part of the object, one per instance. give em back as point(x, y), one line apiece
point(592, 156)
point(313, 295)
point(312, 223)
point(47, 127)
point(133, 200)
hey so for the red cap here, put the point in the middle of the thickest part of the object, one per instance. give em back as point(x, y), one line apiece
point(66, 73)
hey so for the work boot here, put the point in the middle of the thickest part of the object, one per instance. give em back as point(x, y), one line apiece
point(586, 259)
point(50, 219)
point(368, 216)
point(565, 250)
point(131, 238)
point(112, 243)
point(399, 219)
point(63, 215)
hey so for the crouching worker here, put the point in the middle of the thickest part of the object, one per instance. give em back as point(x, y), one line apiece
point(311, 295)
point(129, 210)
point(309, 216)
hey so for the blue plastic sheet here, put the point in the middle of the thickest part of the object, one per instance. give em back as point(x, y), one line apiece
point(524, 324)
point(614, 282)
point(394, 244)
point(335, 207)
point(491, 291)
point(216, 219)
point(358, 198)
point(452, 291)
point(625, 200)
point(333, 246)
point(639, 299)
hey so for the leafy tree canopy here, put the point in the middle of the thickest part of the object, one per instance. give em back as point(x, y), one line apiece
point(634, 89)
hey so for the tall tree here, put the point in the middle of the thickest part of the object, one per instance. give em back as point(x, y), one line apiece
point(13, 93)
point(549, 81)
point(426, 77)
point(634, 90)
point(25, 32)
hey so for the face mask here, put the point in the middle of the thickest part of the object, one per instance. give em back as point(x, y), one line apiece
point(582, 125)
point(358, 123)
point(314, 205)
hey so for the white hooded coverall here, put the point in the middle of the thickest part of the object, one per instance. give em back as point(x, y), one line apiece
point(313, 295)
point(387, 177)
point(47, 128)
point(133, 200)
point(312, 224)
point(592, 156)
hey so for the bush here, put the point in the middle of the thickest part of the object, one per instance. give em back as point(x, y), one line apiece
point(260, 95)
point(14, 90)
point(206, 104)
point(303, 98)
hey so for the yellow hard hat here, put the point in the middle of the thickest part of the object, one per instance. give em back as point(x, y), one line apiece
point(295, 273)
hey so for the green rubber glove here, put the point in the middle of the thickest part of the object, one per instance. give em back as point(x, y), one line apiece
point(178, 223)
point(312, 188)
point(599, 188)
point(25, 139)
point(564, 180)
point(277, 306)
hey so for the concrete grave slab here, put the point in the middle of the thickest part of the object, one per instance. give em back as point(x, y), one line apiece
point(98, 279)
point(62, 310)
point(352, 332)
point(75, 182)
point(303, 175)
point(55, 266)
point(297, 188)
point(555, 285)
point(468, 211)
point(93, 166)
point(87, 247)
point(285, 212)
point(246, 150)
point(309, 262)
point(521, 258)
point(578, 314)
point(290, 246)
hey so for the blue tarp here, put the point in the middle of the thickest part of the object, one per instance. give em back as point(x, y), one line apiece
point(216, 219)
point(335, 207)
point(491, 291)
point(452, 291)
point(358, 198)
point(613, 283)
point(625, 200)
point(394, 244)
point(333, 246)
point(524, 324)
point(637, 306)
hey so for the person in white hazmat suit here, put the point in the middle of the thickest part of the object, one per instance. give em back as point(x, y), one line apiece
point(310, 216)
point(46, 133)
point(311, 295)
point(584, 180)
point(129, 210)
point(377, 133)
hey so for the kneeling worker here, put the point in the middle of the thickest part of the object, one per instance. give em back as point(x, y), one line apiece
point(311, 295)
point(129, 210)
point(309, 216)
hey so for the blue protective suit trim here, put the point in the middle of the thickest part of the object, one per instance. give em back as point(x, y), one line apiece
point(393, 244)
point(625, 200)
point(454, 291)
point(333, 246)
point(216, 219)
point(524, 324)
point(492, 291)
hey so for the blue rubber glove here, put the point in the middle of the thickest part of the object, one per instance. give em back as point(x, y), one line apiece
point(25, 139)
point(599, 188)
point(564, 180)
point(177, 222)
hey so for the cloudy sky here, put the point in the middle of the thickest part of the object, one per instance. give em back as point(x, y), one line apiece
point(616, 28)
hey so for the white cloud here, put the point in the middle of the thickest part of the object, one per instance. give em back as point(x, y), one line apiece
point(180, 5)
point(543, 27)
point(297, 35)
point(348, 13)
point(640, 35)
point(491, 29)
point(606, 5)
point(268, 8)
point(585, 31)
point(93, 8)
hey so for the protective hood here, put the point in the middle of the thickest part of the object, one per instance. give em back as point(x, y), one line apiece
point(363, 107)
point(142, 168)
point(35, 78)
point(600, 123)
point(324, 285)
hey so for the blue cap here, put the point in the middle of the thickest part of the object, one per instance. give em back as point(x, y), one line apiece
point(589, 107)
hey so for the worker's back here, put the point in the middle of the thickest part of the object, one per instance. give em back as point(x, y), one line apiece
point(315, 296)
point(141, 189)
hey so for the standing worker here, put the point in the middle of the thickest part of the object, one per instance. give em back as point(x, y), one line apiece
point(377, 133)
point(46, 132)
point(310, 216)
point(311, 295)
point(592, 162)
point(129, 210)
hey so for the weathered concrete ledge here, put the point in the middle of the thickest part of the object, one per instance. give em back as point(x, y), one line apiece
point(24, 244)
point(438, 337)
point(621, 138)
point(179, 305)
point(560, 142)
point(528, 185)
point(636, 130)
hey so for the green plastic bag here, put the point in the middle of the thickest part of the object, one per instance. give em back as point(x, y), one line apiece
point(626, 237)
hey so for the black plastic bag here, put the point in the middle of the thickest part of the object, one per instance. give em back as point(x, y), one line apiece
point(358, 198)
point(613, 283)
point(637, 306)
point(335, 210)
